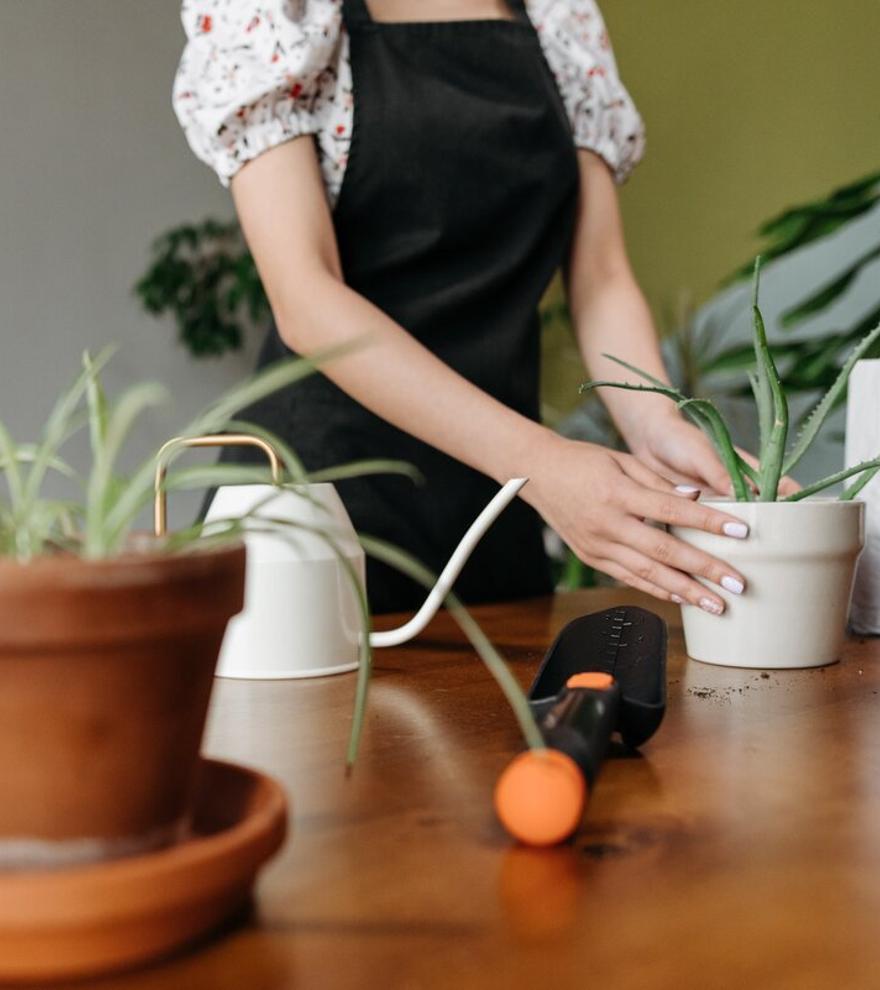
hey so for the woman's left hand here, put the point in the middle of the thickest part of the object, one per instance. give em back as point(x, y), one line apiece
point(680, 451)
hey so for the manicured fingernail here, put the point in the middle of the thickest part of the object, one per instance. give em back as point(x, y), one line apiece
point(687, 489)
point(710, 605)
point(676, 599)
point(737, 530)
point(732, 584)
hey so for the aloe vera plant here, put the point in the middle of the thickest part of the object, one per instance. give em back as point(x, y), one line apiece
point(776, 458)
point(98, 521)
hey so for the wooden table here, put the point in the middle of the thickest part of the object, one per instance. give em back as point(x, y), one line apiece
point(741, 849)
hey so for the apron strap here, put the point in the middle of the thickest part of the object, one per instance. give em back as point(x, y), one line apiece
point(518, 7)
point(355, 13)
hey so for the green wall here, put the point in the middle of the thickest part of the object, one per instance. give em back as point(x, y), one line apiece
point(750, 106)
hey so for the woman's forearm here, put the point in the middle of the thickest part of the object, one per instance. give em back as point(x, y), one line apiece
point(616, 320)
point(287, 223)
point(608, 310)
point(398, 379)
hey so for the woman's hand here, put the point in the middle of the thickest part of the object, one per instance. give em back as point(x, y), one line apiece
point(680, 451)
point(600, 501)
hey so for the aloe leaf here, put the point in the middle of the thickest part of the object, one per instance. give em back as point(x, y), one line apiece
point(764, 406)
point(748, 470)
point(760, 379)
point(828, 293)
point(833, 479)
point(705, 415)
point(406, 564)
point(854, 489)
point(773, 444)
point(741, 357)
point(817, 417)
point(641, 373)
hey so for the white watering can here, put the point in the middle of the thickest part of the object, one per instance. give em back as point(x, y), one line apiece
point(301, 615)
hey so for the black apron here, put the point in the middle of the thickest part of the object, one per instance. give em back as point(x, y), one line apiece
point(456, 208)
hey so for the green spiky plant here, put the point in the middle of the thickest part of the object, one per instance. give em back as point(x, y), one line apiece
point(99, 522)
point(775, 458)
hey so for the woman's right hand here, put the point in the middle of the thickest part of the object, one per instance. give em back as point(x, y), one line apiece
point(601, 501)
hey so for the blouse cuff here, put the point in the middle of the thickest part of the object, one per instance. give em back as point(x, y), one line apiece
point(603, 117)
point(611, 127)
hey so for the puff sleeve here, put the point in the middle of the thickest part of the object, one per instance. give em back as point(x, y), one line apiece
point(603, 116)
point(253, 75)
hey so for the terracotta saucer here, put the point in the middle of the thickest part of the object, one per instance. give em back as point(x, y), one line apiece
point(88, 920)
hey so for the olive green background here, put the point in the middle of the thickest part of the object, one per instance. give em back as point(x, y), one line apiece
point(749, 107)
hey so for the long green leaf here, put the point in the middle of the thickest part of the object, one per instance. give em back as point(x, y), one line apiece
point(358, 469)
point(26, 453)
point(833, 479)
point(705, 415)
point(61, 422)
point(214, 420)
point(101, 490)
point(10, 466)
point(817, 417)
point(854, 489)
point(403, 562)
point(773, 445)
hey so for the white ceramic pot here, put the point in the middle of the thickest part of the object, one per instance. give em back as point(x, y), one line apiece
point(799, 562)
point(301, 616)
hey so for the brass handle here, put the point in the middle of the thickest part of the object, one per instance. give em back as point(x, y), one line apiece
point(219, 440)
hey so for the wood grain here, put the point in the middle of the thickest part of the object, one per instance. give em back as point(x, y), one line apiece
point(741, 849)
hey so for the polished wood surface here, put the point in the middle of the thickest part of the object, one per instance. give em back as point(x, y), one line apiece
point(741, 848)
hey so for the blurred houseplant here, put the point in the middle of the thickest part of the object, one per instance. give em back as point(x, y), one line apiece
point(110, 637)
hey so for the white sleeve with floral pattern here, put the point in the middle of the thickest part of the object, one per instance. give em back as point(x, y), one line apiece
point(256, 74)
point(578, 50)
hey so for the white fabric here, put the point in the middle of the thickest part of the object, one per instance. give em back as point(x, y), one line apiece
point(255, 74)
point(863, 444)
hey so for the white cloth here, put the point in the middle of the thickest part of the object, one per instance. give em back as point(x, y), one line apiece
point(863, 444)
point(255, 74)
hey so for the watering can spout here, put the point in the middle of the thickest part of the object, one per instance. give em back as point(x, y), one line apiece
point(394, 637)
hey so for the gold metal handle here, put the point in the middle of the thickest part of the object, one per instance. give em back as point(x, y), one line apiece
point(160, 521)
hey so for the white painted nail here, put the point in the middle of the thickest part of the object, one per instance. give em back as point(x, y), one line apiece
point(737, 530)
point(676, 599)
point(710, 605)
point(687, 489)
point(732, 584)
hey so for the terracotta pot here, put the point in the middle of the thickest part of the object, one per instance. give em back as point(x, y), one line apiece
point(106, 670)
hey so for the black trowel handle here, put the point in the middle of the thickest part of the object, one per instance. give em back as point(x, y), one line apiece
point(581, 721)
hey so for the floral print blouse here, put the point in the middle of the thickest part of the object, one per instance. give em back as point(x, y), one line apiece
point(254, 74)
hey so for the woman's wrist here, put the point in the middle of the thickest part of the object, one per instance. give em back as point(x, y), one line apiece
point(642, 417)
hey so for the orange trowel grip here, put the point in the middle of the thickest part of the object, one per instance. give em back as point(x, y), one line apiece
point(541, 796)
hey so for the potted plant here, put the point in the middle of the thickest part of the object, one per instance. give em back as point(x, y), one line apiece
point(799, 559)
point(110, 637)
